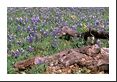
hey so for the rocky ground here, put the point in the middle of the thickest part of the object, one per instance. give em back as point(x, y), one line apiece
point(91, 58)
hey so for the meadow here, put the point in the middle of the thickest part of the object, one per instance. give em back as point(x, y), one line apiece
point(34, 31)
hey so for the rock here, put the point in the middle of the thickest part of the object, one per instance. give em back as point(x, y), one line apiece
point(22, 65)
point(90, 50)
point(67, 33)
point(92, 57)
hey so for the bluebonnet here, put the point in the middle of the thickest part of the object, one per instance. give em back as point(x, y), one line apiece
point(19, 42)
point(96, 23)
point(35, 20)
point(74, 27)
point(29, 39)
point(15, 53)
point(30, 49)
point(34, 28)
point(18, 28)
point(26, 20)
point(28, 28)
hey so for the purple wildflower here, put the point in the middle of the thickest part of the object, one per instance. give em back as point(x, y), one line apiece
point(74, 27)
point(15, 53)
point(32, 33)
point(106, 23)
point(45, 33)
point(56, 31)
point(28, 28)
point(11, 37)
point(79, 24)
point(29, 39)
point(30, 49)
point(96, 22)
point(18, 28)
point(19, 42)
point(98, 42)
point(65, 23)
point(8, 37)
point(35, 20)
point(34, 28)
point(53, 33)
point(21, 20)
point(26, 20)
point(12, 53)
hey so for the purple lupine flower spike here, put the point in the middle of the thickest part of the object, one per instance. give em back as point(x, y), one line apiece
point(34, 28)
point(29, 39)
point(30, 49)
point(26, 20)
point(15, 53)
point(32, 33)
point(21, 20)
point(96, 22)
point(19, 42)
point(18, 28)
point(28, 28)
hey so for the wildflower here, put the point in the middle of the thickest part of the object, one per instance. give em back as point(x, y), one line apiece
point(28, 28)
point(96, 22)
point(106, 23)
point(19, 42)
point(56, 31)
point(34, 28)
point(30, 49)
point(74, 27)
point(8, 37)
point(32, 33)
point(26, 20)
point(35, 20)
point(15, 53)
point(20, 19)
point(44, 23)
point(22, 50)
point(45, 33)
point(18, 28)
point(30, 39)
point(65, 23)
